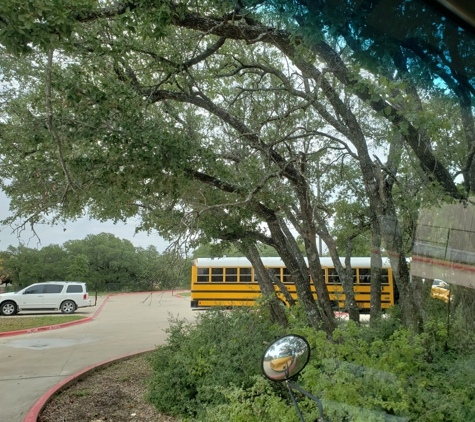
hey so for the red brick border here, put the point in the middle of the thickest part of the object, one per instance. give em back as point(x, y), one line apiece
point(55, 326)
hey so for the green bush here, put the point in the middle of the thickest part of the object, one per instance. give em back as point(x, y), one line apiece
point(389, 379)
point(201, 360)
point(261, 402)
point(211, 372)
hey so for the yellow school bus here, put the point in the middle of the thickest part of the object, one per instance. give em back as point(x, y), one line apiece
point(232, 282)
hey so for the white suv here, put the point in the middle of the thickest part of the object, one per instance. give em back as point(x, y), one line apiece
point(66, 296)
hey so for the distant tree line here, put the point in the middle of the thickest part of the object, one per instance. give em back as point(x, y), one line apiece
point(103, 261)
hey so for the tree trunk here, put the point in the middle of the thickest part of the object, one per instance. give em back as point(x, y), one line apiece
point(266, 285)
point(318, 279)
point(345, 275)
point(308, 234)
point(376, 270)
point(391, 233)
point(290, 253)
point(348, 284)
point(288, 297)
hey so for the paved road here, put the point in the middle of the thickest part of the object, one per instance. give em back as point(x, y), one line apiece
point(31, 364)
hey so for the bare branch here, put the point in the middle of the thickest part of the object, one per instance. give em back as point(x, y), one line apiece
point(50, 124)
point(386, 169)
point(205, 54)
point(249, 198)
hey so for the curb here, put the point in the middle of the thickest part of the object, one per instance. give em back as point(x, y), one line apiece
point(173, 292)
point(178, 293)
point(35, 411)
point(55, 326)
point(45, 328)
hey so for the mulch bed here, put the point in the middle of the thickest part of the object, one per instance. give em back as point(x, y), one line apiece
point(116, 393)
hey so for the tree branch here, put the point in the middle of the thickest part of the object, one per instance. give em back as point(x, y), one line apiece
point(50, 124)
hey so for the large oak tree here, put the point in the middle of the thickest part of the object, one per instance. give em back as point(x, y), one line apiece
point(211, 119)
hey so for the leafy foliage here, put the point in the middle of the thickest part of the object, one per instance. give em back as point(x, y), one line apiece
point(258, 403)
point(214, 121)
point(209, 372)
point(371, 380)
point(199, 360)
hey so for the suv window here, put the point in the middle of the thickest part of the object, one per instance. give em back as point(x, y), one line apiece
point(53, 288)
point(75, 288)
point(34, 290)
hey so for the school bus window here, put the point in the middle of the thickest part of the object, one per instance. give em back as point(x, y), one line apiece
point(333, 276)
point(286, 277)
point(245, 275)
point(231, 275)
point(365, 275)
point(385, 276)
point(217, 275)
point(203, 275)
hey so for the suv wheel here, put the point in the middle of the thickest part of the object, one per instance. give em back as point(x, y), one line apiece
point(8, 308)
point(68, 307)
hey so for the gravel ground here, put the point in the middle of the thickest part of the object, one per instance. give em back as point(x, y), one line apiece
point(114, 394)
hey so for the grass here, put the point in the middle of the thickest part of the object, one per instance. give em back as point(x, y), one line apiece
point(185, 294)
point(19, 323)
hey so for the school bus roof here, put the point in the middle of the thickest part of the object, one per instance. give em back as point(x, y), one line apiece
point(356, 262)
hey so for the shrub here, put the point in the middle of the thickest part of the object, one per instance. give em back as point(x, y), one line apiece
point(261, 402)
point(211, 372)
point(389, 379)
point(200, 361)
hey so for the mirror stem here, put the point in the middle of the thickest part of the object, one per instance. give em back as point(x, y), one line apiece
point(310, 396)
point(289, 385)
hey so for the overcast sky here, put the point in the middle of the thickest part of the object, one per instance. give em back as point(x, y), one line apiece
point(78, 230)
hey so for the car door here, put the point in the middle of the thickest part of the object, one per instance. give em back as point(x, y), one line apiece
point(33, 297)
point(52, 294)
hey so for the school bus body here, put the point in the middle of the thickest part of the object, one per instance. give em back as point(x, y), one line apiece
point(232, 282)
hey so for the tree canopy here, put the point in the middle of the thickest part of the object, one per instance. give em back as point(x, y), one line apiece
point(239, 124)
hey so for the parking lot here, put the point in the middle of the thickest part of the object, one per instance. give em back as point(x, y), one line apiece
point(30, 364)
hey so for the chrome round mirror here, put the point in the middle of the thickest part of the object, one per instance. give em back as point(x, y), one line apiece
point(285, 358)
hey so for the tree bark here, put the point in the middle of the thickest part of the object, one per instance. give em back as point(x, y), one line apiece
point(376, 270)
point(345, 274)
point(315, 267)
point(309, 234)
point(288, 297)
point(292, 256)
point(391, 232)
point(267, 287)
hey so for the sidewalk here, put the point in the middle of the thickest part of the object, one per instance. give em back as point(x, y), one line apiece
point(31, 364)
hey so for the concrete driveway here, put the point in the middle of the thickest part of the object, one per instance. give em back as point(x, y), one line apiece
point(31, 364)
